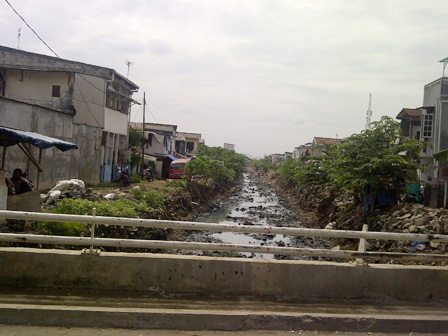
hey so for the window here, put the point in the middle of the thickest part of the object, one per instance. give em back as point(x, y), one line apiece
point(56, 92)
point(427, 126)
point(190, 147)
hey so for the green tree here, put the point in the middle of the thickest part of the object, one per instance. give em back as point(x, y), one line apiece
point(135, 144)
point(217, 164)
point(377, 159)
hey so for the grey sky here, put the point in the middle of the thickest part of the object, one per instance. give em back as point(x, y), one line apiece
point(267, 76)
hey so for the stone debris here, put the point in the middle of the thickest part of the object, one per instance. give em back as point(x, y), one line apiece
point(415, 218)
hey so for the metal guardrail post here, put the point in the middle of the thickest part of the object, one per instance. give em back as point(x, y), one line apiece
point(92, 230)
point(362, 247)
point(92, 251)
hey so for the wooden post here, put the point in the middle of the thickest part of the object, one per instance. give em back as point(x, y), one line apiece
point(5, 145)
point(38, 171)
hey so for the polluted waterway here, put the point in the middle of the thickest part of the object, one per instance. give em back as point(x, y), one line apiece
point(255, 203)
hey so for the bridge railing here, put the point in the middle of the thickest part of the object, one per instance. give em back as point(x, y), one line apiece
point(93, 241)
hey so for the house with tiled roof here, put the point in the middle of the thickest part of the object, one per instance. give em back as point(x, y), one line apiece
point(319, 143)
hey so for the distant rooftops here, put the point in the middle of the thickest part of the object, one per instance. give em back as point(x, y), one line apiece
point(326, 141)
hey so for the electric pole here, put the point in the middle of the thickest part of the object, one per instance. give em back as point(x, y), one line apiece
point(18, 38)
point(369, 113)
point(143, 142)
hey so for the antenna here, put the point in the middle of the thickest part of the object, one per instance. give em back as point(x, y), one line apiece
point(18, 38)
point(128, 63)
point(369, 113)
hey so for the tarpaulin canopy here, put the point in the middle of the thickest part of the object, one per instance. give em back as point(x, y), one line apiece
point(12, 137)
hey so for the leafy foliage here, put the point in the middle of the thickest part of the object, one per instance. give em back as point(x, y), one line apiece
point(119, 208)
point(377, 159)
point(217, 164)
point(135, 143)
point(264, 164)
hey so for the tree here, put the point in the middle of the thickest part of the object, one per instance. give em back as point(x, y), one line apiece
point(135, 143)
point(377, 159)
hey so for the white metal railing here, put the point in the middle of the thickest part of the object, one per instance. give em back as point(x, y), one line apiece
point(170, 245)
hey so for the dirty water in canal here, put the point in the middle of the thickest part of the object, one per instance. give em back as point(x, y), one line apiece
point(255, 203)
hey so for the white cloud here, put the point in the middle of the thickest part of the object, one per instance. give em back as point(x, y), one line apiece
point(265, 75)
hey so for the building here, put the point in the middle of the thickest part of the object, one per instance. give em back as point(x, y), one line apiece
point(319, 144)
point(230, 147)
point(302, 151)
point(159, 146)
point(287, 155)
point(187, 143)
point(96, 98)
point(429, 123)
point(276, 158)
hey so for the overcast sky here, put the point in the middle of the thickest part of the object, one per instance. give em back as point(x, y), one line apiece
point(266, 76)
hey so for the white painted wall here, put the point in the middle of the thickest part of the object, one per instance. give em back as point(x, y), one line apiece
point(89, 100)
point(35, 87)
point(115, 122)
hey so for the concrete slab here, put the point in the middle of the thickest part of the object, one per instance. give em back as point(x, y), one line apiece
point(226, 315)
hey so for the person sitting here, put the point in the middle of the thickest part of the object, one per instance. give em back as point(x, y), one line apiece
point(20, 184)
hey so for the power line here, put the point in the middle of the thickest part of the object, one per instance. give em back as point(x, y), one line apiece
point(65, 61)
point(54, 52)
point(24, 21)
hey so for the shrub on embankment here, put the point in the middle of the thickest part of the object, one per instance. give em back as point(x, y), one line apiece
point(378, 159)
point(214, 171)
point(218, 166)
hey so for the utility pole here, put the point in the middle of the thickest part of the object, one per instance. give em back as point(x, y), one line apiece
point(18, 38)
point(143, 143)
point(369, 113)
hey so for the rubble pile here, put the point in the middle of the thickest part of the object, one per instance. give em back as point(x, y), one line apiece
point(415, 218)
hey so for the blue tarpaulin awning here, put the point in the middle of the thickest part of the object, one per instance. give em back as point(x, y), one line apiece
point(12, 137)
point(172, 157)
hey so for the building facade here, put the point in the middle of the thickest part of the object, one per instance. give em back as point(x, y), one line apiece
point(97, 98)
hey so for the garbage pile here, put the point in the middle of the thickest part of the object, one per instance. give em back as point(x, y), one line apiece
point(73, 188)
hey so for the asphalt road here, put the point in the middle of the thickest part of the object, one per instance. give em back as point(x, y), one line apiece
point(64, 331)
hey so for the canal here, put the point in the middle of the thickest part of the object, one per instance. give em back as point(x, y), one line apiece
point(255, 203)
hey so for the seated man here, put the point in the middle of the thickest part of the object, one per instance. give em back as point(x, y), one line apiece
point(21, 185)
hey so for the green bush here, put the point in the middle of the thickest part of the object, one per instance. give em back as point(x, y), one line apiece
point(119, 208)
point(153, 198)
point(137, 193)
point(135, 178)
point(217, 164)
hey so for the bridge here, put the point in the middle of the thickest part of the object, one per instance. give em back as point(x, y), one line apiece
point(157, 290)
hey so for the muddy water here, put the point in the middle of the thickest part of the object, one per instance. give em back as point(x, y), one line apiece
point(256, 204)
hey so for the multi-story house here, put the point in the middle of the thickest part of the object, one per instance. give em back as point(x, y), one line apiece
point(302, 151)
point(187, 143)
point(159, 146)
point(429, 124)
point(96, 98)
point(319, 144)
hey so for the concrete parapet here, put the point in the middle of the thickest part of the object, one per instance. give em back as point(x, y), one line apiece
point(177, 274)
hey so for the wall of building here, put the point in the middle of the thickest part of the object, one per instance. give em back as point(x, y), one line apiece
point(89, 100)
point(57, 165)
point(115, 122)
point(88, 140)
point(35, 87)
point(176, 274)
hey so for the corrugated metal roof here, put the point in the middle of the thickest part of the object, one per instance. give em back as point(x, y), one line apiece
point(408, 113)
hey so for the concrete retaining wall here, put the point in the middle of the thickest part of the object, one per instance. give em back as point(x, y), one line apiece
point(219, 276)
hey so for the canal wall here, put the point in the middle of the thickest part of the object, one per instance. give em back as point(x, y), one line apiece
point(176, 274)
